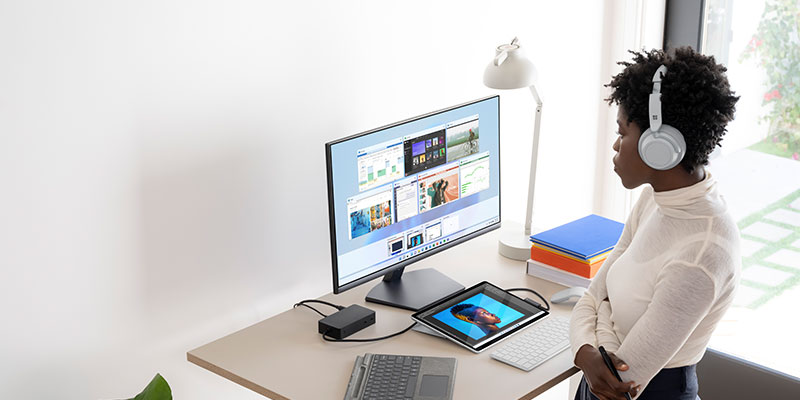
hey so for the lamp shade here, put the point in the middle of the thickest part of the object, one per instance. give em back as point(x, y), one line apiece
point(509, 69)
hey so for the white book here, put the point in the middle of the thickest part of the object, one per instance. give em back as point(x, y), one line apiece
point(552, 274)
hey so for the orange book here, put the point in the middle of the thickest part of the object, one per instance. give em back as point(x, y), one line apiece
point(601, 256)
point(566, 264)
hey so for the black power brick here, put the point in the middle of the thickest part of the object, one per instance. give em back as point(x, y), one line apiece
point(346, 322)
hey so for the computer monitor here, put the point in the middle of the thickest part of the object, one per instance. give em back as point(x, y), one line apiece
point(405, 191)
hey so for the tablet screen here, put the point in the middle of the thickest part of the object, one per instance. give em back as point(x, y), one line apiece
point(479, 316)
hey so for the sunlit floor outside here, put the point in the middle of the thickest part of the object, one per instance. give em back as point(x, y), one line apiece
point(763, 194)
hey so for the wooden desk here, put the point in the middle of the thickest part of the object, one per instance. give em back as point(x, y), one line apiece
point(284, 357)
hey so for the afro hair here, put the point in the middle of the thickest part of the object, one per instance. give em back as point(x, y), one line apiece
point(696, 98)
point(463, 311)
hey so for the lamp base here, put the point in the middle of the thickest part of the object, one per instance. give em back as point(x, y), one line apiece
point(514, 243)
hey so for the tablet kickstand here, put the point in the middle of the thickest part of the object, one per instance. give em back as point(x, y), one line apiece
point(424, 329)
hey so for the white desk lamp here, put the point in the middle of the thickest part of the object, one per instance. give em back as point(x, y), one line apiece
point(510, 69)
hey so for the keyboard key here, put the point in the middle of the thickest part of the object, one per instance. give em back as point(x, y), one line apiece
point(412, 384)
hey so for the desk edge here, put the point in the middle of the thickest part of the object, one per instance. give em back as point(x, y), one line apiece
point(549, 384)
point(234, 378)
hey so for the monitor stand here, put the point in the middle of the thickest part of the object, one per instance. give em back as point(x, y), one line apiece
point(414, 289)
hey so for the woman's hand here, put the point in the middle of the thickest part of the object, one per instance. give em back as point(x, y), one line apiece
point(602, 381)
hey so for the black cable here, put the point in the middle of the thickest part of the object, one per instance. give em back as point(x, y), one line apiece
point(306, 305)
point(546, 304)
point(336, 306)
point(330, 339)
point(303, 303)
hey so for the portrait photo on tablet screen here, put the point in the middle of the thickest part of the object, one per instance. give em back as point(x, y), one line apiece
point(479, 316)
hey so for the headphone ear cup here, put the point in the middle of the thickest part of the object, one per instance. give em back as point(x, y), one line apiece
point(662, 150)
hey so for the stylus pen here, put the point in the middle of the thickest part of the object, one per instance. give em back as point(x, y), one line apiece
point(613, 369)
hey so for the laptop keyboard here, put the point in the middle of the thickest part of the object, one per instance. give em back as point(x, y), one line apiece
point(392, 377)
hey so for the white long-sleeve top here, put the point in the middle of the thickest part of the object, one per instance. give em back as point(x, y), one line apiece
point(659, 295)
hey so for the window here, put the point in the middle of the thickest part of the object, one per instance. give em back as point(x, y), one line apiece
point(759, 173)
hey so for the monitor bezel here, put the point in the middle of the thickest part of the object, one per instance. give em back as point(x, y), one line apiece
point(404, 263)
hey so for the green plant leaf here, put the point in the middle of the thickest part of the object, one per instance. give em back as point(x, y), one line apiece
point(158, 389)
point(774, 44)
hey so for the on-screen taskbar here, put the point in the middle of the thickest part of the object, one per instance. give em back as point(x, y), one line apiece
point(416, 251)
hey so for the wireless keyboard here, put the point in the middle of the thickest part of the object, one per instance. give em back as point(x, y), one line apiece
point(537, 344)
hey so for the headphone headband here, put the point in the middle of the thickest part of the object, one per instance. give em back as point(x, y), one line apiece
point(655, 99)
point(660, 72)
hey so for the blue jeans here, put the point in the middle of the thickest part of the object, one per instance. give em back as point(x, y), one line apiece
point(669, 384)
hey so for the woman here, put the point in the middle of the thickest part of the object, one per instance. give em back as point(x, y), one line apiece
point(657, 298)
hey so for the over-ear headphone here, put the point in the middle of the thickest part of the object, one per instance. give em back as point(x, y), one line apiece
point(661, 146)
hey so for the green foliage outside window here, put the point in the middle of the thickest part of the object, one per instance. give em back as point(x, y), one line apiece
point(776, 44)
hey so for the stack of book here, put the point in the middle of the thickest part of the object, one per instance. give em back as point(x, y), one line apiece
point(572, 253)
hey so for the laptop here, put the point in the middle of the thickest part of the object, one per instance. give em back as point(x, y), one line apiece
point(392, 376)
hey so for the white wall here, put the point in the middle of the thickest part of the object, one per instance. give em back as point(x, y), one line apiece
point(162, 167)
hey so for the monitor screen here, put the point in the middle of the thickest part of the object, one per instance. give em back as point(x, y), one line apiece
point(405, 191)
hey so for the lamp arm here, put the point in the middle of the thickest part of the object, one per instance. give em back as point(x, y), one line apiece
point(534, 160)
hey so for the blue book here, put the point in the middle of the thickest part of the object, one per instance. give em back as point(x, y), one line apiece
point(583, 238)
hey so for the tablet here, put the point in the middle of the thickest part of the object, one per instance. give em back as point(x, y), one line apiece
point(480, 316)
